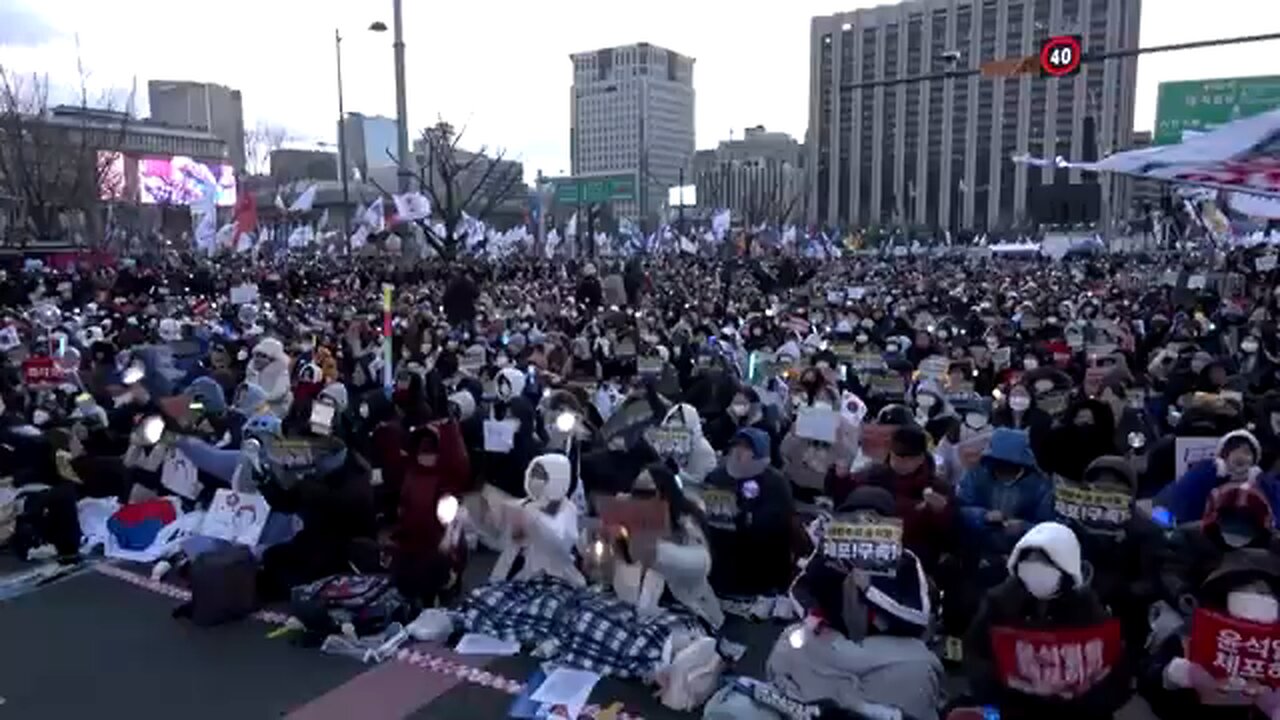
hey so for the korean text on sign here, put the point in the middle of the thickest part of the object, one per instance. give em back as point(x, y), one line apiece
point(872, 545)
point(1106, 510)
point(1238, 652)
point(1063, 662)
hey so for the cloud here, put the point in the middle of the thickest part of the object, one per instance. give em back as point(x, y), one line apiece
point(22, 27)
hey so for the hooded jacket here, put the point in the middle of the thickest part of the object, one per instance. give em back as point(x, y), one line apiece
point(550, 527)
point(1010, 605)
point(418, 533)
point(1071, 447)
point(1029, 498)
point(1187, 497)
point(274, 378)
point(805, 462)
point(749, 519)
point(701, 458)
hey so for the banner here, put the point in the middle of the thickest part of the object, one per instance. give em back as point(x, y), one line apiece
point(1238, 652)
point(868, 542)
point(1103, 509)
point(1067, 661)
point(42, 372)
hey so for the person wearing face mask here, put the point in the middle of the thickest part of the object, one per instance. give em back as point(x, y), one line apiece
point(1019, 412)
point(806, 462)
point(269, 369)
point(1005, 493)
point(542, 528)
point(501, 466)
point(438, 467)
point(1235, 461)
point(746, 410)
point(750, 514)
point(1086, 433)
point(1244, 587)
point(1045, 590)
point(692, 465)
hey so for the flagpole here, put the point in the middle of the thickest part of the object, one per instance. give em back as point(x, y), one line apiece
point(342, 143)
point(402, 110)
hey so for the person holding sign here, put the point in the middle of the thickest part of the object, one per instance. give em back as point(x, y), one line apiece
point(1235, 461)
point(1042, 645)
point(1228, 667)
point(751, 521)
point(679, 439)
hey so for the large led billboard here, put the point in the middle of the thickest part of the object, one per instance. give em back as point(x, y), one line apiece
point(179, 180)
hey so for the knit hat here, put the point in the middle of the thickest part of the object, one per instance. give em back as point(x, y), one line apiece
point(903, 595)
point(909, 441)
point(1238, 501)
point(1057, 542)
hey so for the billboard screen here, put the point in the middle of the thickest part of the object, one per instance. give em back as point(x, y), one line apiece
point(682, 195)
point(1202, 105)
point(112, 184)
point(179, 180)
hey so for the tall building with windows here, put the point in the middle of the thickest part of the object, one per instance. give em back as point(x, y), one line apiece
point(631, 112)
point(937, 152)
point(760, 177)
point(201, 106)
point(371, 147)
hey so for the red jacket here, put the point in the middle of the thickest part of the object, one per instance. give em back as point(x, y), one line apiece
point(418, 532)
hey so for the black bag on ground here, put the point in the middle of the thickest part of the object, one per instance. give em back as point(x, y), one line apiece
point(368, 602)
point(48, 517)
point(223, 583)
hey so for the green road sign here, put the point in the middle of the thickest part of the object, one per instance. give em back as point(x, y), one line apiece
point(1201, 105)
point(603, 188)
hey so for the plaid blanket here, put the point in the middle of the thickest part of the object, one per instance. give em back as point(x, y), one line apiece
point(582, 628)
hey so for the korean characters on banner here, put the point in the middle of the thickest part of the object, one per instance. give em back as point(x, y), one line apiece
point(1244, 655)
point(866, 542)
point(1056, 663)
point(1098, 508)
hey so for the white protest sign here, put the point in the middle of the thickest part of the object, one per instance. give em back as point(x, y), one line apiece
point(180, 475)
point(238, 517)
point(500, 435)
point(244, 294)
point(817, 424)
point(1190, 450)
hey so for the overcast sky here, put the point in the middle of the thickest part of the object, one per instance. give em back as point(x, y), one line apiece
point(501, 67)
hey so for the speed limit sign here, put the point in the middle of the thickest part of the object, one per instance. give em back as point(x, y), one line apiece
point(1060, 55)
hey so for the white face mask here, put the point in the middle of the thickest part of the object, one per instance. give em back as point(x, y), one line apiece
point(822, 405)
point(1030, 363)
point(1019, 403)
point(1041, 579)
point(1253, 606)
point(739, 409)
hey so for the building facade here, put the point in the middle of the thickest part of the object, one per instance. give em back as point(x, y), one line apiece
point(632, 111)
point(288, 165)
point(371, 146)
point(760, 177)
point(937, 152)
point(201, 106)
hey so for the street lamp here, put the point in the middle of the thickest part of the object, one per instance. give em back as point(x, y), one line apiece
point(376, 26)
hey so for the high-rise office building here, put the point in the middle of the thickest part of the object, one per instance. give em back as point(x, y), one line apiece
point(937, 152)
point(201, 106)
point(371, 147)
point(631, 112)
point(760, 177)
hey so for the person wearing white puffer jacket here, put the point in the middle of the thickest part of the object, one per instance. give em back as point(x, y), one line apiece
point(542, 528)
point(693, 464)
point(269, 369)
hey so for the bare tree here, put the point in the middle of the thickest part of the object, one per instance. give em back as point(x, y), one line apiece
point(459, 182)
point(260, 141)
point(60, 168)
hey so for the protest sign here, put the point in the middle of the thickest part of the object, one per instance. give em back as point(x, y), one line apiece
point(867, 362)
point(886, 384)
point(237, 517)
point(649, 366)
point(1188, 451)
point(1237, 652)
point(934, 368)
point(668, 441)
point(639, 516)
point(868, 542)
point(42, 372)
point(1047, 663)
point(1100, 508)
point(817, 424)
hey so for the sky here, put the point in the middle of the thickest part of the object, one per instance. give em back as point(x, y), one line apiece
point(500, 68)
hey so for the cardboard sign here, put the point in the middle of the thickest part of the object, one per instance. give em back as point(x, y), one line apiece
point(237, 517)
point(1051, 663)
point(1237, 652)
point(669, 441)
point(876, 439)
point(886, 385)
point(41, 371)
point(1097, 508)
point(180, 476)
point(1188, 451)
point(869, 543)
point(817, 424)
point(500, 435)
point(649, 366)
point(867, 362)
point(640, 516)
point(721, 506)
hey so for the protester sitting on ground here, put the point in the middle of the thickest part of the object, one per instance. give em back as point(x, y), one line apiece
point(1235, 461)
point(542, 528)
point(1005, 494)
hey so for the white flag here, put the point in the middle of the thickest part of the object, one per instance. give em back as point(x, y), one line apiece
point(305, 201)
point(412, 206)
point(375, 217)
point(280, 202)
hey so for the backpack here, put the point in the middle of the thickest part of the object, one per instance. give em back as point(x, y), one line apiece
point(223, 586)
point(369, 603)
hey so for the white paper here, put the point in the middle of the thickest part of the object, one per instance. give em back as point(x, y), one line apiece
point(246, 293)
point(478, 644)
point(180, 476)
point(571, 688)
point(1190, 450)
point(238, 517)
point(499, 435)
point(1266, 263)
point(817, 424)
point(1196, 282)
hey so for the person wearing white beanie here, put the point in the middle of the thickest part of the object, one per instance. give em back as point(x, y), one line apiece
point(269, 369)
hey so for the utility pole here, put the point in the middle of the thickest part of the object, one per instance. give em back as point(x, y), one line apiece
point(342, 141)
point(680, 221)
point(402, 104)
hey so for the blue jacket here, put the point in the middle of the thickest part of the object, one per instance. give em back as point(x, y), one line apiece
point(1029, 498)
point(1186, 498)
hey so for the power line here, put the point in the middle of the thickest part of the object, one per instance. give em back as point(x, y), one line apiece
point(1087, 58)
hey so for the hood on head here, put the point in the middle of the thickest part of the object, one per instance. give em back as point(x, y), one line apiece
point(903, 595)
point(559, 474)
point(209, 393)
point(1057, 542)
point(1240, 435)
point(1010, 446)
point(337, 392)
point(249, 397)
point(515, 380)
point(757, 439)
point(1115, 465)
point(1239, 498)
point(465, 402)
point(684, 415)
point(270, 347)
point(871, 498)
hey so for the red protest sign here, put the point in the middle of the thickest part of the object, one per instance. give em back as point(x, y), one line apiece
point(41, 370)
point(1063, 662)
point(1238, 652)
point(640, 516)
